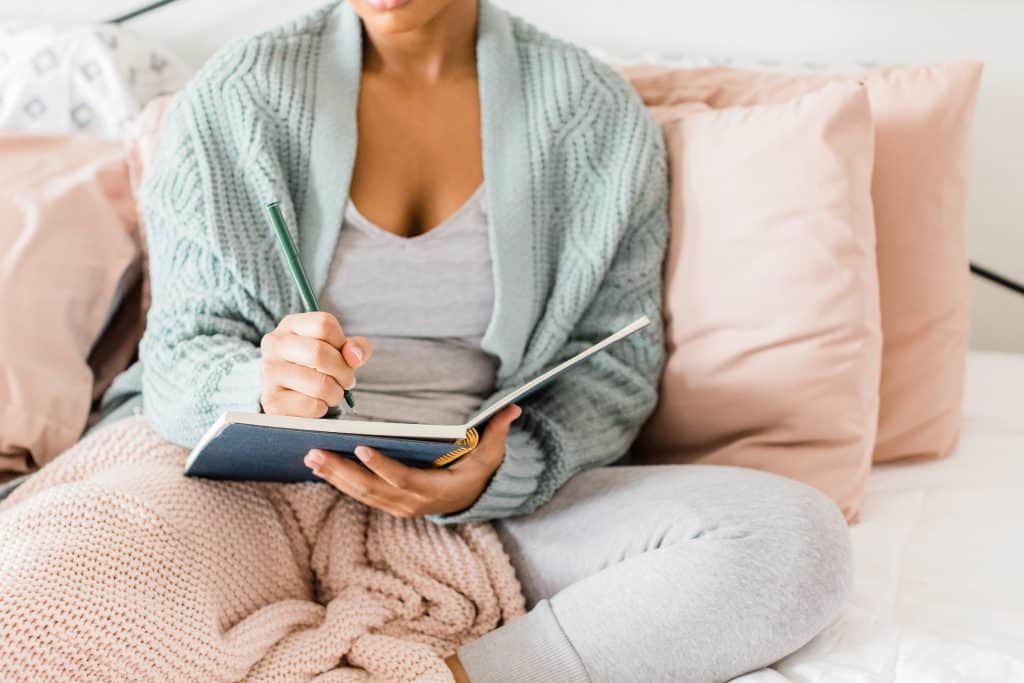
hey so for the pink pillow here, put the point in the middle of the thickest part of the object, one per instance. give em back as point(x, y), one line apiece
point(117, 346)
point(771, 292)
point(923, 121)
point(67, 224)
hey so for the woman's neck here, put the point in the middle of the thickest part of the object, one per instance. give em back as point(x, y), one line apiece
point(443, 47)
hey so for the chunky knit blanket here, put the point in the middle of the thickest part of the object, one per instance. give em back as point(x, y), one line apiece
point(116, 567)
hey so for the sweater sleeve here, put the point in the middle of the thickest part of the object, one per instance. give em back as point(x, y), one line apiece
point(590, 416)
point(200, 351)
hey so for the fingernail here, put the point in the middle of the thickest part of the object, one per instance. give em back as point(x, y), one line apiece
point(314, 459)
point(358, 352)
point(363, 453)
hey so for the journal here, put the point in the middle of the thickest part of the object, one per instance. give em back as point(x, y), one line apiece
point(257, 447)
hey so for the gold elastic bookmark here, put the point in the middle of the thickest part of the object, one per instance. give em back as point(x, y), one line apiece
point(463, 446)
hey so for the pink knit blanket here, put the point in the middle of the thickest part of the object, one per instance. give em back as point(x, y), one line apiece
point(116, 567)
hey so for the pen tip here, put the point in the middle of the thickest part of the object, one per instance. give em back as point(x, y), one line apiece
point(349, 400)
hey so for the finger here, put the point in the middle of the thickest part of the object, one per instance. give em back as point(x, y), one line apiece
point(390, 470)
point(325, 465)
point(289, 402)
point(304, 380)
point(357, 351)
point(489, 453)
point(316, 325)
point(313, 353)
point(353, 480)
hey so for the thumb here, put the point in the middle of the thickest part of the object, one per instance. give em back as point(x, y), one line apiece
point(497, 429)
point(491, 448)
point(356, 351)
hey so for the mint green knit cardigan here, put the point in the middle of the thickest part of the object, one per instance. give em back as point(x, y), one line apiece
point(578, 216)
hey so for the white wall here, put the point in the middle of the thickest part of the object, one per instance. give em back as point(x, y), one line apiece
point(792, 31)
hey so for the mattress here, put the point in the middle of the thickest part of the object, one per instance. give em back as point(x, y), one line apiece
point(938, 590)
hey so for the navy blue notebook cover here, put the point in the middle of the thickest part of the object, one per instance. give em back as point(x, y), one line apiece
point(257, 447)
point(255, 453)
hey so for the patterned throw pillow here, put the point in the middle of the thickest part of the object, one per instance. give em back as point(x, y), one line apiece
point(92, 79)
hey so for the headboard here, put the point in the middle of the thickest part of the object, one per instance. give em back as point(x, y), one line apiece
point(752, 31)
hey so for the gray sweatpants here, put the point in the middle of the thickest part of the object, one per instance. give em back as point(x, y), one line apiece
point(674, 573)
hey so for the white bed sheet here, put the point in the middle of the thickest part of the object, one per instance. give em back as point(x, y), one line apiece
point(939, 588)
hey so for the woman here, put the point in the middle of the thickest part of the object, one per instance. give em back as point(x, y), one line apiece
point(502, 203)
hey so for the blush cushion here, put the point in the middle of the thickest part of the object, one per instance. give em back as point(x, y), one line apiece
point(69, 245)
point(922, 117)
point(73, 284)
point(771, 292)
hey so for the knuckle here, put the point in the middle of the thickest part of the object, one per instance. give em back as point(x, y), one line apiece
point(322, 356)
point(313, 407)
point(270, 346)
point(271, 372)
point(327, 467)
point(320, 408)
point(323, 323)
point(270, 368)
point(327, 388)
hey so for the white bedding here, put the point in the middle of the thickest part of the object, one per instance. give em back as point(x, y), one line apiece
point(938, 592)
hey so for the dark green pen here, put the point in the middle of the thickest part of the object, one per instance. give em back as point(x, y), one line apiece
point(291, 257)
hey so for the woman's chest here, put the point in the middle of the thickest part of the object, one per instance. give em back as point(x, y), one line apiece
point(418, 154)
point(438, 285)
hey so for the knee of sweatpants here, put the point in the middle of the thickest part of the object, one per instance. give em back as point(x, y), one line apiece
point(810, 540)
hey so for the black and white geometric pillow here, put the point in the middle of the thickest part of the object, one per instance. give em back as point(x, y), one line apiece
point(92, 79)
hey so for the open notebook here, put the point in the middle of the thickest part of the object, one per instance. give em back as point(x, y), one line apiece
point(258, 447)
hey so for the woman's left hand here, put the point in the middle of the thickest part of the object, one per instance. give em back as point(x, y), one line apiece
point(403, 491)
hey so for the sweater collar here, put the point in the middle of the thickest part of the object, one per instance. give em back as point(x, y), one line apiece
point(505, 143)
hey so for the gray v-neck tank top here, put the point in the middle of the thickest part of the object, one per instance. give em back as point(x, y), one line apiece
point(425, 303)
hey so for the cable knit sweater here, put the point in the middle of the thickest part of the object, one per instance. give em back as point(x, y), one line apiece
point(578, 226)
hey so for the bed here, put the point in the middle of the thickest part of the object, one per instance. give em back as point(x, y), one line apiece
point(938, 594)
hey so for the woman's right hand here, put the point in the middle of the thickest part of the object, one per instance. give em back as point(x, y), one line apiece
point(307, 363)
